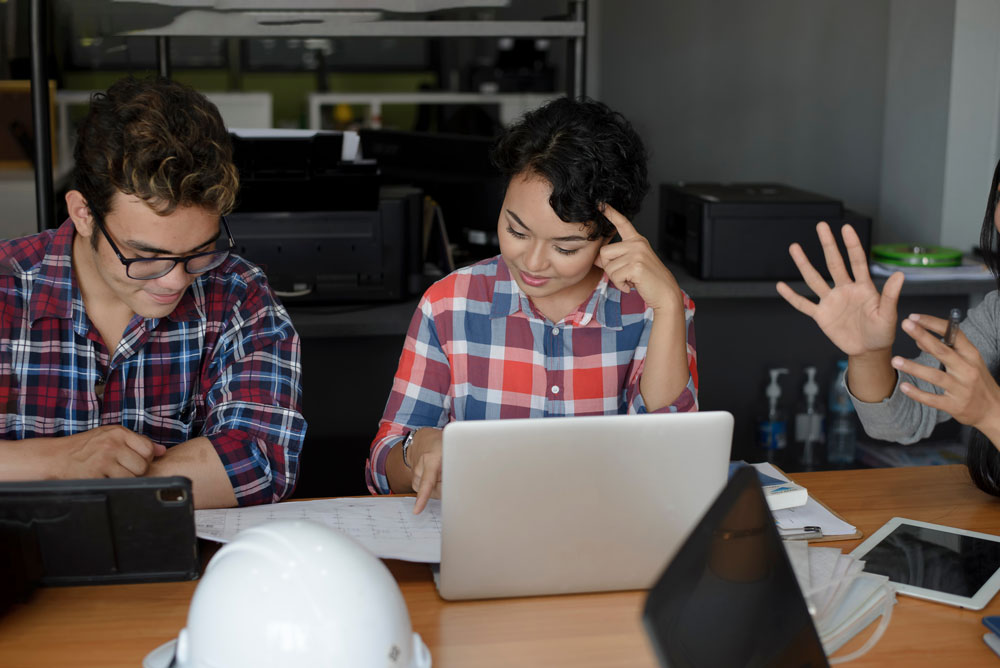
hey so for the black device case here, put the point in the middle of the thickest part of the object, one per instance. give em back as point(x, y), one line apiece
point(99, 531)
point(742, 231)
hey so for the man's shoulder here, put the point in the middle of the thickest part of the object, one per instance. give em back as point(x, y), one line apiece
point(474, 282)
point(239, 270)
point(20, 262)
point(237, 283)
point(21, 255)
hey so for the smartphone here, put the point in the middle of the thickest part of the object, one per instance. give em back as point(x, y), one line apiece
point(992, 639)
point(102, 531)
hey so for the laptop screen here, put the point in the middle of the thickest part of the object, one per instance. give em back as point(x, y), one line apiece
point(729, 597)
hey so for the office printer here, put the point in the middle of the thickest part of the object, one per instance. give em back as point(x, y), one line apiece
point(316, 220)
point(731, 231)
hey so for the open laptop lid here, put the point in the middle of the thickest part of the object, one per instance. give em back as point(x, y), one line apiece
point(729, 597)
point(574, 504)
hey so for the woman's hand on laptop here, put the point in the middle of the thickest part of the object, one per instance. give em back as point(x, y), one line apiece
point(426, 457)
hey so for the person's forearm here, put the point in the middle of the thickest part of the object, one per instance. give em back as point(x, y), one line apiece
point(400, 476)
point(21, 460)
point(991, 430)
point(197, 459)
point(870, 377)
point(665, 372)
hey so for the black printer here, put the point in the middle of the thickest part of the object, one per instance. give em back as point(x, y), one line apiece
point(742, 231)
point(321, 226)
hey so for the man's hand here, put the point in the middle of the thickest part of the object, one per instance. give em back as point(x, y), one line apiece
point(106, 452)
point(425, 453)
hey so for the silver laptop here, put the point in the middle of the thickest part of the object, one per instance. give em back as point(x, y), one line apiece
point(574, 504)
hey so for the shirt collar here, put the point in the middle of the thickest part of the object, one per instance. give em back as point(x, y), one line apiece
point(55, 286)
point(506, 293)
point(604, 304)
point(52, 294)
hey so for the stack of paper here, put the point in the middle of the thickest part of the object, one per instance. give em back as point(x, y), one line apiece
point(812, 520)
point(842, 598)
point(385, 525)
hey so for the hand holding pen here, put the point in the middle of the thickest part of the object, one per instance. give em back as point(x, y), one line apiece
point(960, 384)
point(954, 319)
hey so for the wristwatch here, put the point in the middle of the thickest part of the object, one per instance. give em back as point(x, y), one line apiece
point(407, 442)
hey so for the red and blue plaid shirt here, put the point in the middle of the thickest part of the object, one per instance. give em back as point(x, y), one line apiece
point(224, 365)
point(477, 349)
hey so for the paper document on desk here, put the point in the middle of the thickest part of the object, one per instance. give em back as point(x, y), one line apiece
point(385, 525)
point(794, 520)
point(812, 514)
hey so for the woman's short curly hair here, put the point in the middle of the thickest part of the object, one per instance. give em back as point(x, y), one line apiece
point(158, 140)
point(590, 154)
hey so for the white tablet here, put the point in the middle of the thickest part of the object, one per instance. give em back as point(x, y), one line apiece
point(935, 562)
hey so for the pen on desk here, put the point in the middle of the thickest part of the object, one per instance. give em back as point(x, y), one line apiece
point(809, 532)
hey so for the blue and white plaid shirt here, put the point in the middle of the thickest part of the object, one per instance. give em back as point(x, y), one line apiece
point(224, 365)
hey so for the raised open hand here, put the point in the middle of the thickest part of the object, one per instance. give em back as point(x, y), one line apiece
point(852, 313)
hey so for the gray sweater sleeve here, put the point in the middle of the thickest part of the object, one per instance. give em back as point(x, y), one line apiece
point(901, 419)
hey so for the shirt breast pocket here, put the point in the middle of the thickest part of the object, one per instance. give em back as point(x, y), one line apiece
point(171, 424)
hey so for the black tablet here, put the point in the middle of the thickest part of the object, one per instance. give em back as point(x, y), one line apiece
point(729, 596)
point(101, 531)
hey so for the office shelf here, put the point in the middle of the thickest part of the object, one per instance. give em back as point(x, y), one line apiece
point(392, 319)
point(204, 23)
point(697, 288)
point(511, 105)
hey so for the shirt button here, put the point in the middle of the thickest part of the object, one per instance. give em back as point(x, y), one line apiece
point(555, 389)
point(555, 331)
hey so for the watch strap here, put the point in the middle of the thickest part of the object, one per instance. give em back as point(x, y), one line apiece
point(407, 442)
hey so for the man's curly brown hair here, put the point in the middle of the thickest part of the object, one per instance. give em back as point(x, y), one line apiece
point(158, 140)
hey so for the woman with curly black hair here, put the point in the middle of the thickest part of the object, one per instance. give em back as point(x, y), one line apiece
point(563, 321)
point(898, 399)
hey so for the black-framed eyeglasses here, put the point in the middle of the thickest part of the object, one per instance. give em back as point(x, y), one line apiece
point(148, 268)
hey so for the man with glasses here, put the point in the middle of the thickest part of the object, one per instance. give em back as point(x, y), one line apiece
point(132, 343)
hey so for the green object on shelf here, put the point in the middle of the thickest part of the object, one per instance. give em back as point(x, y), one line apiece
point(909, 255)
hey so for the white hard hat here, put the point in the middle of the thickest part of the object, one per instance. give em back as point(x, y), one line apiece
point(295, 593)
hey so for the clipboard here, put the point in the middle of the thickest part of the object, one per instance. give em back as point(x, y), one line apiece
point(827, 539)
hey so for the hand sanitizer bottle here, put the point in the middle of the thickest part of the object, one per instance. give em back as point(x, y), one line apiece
point(809, 425)
point(841, 434)
point(772, 431)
